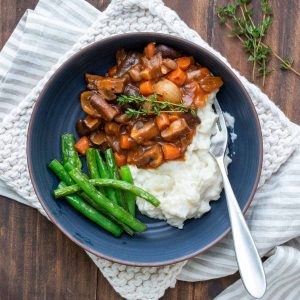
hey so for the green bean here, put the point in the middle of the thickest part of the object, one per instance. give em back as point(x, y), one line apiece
point(60, 172)
point(91, 213)
point(92, 164)
point(68, 167)
point(114, 174)
point(118, 184)
point(109, 192)
point(101, 165)
point(112, 208)
point(94, 204)
point(130, 197)
point(69, 153)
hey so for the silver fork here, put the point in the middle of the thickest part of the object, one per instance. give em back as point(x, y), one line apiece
point(249, 262)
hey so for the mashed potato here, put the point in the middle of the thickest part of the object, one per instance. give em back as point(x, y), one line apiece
point(184, 188)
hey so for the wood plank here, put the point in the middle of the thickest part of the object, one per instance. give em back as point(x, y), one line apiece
point(283, 37)
point(38, 261)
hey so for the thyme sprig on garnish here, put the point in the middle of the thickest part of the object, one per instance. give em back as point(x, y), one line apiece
point(238, 18)
point(155, 106)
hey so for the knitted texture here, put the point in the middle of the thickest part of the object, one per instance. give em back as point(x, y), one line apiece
point(279, 134)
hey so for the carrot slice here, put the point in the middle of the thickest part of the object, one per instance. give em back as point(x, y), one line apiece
point(177, 76)
point(162, 121)
point(150, 50)
point(120, 159)
point(146, 88)
point(170, 151)
point(82, 145)
point(126, 142)
point(184, 62)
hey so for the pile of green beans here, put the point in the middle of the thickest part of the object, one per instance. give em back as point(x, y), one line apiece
point(107, 196)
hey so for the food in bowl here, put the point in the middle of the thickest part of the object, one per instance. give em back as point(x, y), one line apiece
point(153, 113)
point(184, 187)
point(145, 107)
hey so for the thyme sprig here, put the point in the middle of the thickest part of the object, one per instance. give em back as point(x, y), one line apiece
point(238, 18)
point(154, 106)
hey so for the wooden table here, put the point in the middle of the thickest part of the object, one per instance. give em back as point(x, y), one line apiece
point(36, 260)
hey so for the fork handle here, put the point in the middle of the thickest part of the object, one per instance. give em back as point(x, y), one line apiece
point(249, 262)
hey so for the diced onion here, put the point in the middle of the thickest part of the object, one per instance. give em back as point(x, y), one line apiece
point(168, 91)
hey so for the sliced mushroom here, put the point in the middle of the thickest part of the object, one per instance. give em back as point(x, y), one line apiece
point(92, 123)
point(81, 128)
point(175, 130)
point(85, 101)
point(132, 58)
point(131, 90)
point(91, 87)
point(122, 119)
point(102, 107)
point(112, 85)
point(111, 128)
point(107, 95)
point(117, 108)
point(142, 132)
point(91, 78)
point(167, 52)
point(150, 156)
point(155, 156)
point(113, 143)
point(97, 138)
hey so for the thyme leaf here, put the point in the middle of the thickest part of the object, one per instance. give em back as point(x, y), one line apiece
point(154, 106)
point(238, 18)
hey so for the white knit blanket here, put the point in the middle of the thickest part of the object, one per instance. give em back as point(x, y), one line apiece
point(57, 29)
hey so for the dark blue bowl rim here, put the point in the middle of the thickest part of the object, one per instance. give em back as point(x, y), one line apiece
point(137, 35)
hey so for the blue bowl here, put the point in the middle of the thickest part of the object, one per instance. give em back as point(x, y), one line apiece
point(56, 112)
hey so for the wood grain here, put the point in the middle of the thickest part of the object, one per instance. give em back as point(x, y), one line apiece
point(37, 260)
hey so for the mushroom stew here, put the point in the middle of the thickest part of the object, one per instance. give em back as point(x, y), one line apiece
point(145, 107)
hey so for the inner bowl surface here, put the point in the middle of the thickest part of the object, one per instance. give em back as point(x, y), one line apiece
point(56, 112)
